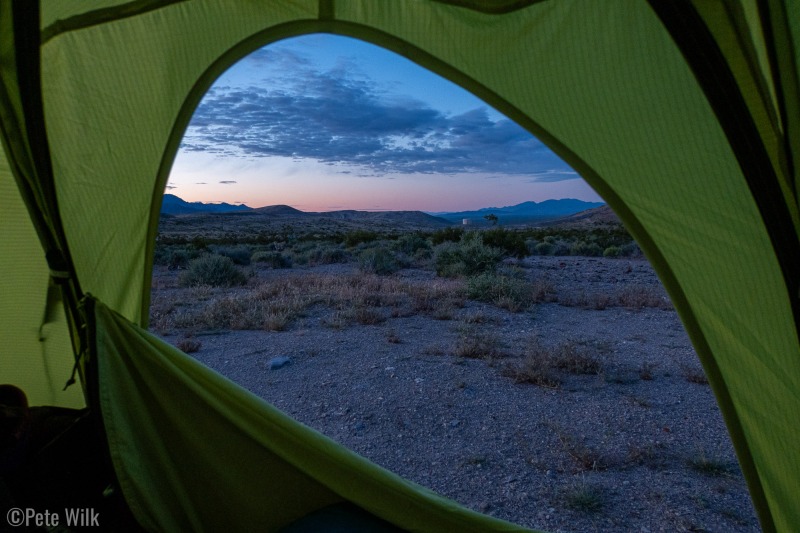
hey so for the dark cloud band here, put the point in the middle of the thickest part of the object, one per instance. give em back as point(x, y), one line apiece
point(338, 118)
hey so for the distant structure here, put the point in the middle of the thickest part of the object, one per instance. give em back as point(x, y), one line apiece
point(465, 222)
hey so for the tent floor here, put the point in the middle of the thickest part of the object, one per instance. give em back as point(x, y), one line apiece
point(63, 469)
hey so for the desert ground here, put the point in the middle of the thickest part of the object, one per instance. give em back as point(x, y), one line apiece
point(550, 388)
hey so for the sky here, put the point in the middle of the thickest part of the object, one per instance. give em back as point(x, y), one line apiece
point(324, 122)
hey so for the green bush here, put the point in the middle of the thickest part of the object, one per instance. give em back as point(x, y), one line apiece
point(447, 260)
point(273, 259)
point(411, 244)
point(590, 249)
point(467, 258)
point(326, 254)
point(173, 257)
point(509, 292)
point(377, 261)
point(561, 248)
point(630, 249)
point(352, 238)
point(214, 270)
point(451, 234)
point(511, 242)
point(612, 251)
point(477, 257)
point(238, 254)
point(544, 248)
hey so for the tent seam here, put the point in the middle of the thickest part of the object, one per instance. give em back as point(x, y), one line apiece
point(103, 15)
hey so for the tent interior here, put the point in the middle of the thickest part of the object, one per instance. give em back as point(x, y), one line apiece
point(684, 116)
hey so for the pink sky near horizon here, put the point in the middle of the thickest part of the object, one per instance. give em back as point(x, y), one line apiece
point(310, 186)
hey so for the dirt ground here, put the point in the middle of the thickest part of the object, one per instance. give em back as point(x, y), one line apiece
point(585, 411)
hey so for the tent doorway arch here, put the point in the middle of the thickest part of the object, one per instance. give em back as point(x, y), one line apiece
point(650, 127)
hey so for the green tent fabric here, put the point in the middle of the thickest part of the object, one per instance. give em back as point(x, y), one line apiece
point(684, 115)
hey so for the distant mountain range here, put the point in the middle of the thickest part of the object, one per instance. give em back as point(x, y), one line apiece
point(172, 205)
point(526, 212)
point(408, 217)
point(597, 217)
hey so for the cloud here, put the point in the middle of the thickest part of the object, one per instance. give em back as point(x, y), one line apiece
point(201, 183)
point(170, 187)
point(227, 182)
point(552, 175)
point(340, 117)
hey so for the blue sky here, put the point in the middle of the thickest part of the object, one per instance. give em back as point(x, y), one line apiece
point(323, 122)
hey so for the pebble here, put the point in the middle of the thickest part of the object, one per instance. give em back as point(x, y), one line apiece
point(278, 362)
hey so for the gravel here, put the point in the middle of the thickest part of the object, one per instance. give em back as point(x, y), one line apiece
point(636, 444)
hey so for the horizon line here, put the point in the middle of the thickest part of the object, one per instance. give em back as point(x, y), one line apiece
point(377, 210)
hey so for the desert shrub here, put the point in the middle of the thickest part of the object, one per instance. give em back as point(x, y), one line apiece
point(695, 375)
point(299, 253)
point(451, 234)
point(189, 345)
point(544, 248)
point(238, 254)
point(173, 257)
point(367, 316)
point(214, 270)
point(530, 245)
point(473, 343)
point(352, 238)
point(477, 257)
point(178, 259)
point(469, 257)
point(543, 290)
point(709, 466)
point(574, 360)
point(561, 248)
point(638, 296)
point(584, 497)
point(590, 249)
point(273, 259)
point(447, 260)
point(536, 366)
point(377, 261)
point(326, 254)
point(503, 290)
point(612, 251)
point(630, 249)
point(511, 242)
point(411, 244)
point(199, 243)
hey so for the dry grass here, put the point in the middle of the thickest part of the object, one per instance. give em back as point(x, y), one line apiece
point(708, 466)
point(188, 345)
point(393, 338)
point(584, 457)
point(474, 343)
point(573, 359)
point(646, 371)
point(540, 364)
point(536, 366)
point(636, 296)
point(355, 298)
point(584, 497)
point(695, 375)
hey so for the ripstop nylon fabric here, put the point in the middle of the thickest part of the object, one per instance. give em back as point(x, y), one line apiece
point(602, 83)
point(250, 466)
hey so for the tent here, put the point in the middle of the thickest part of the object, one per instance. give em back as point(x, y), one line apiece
point(683, 114)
